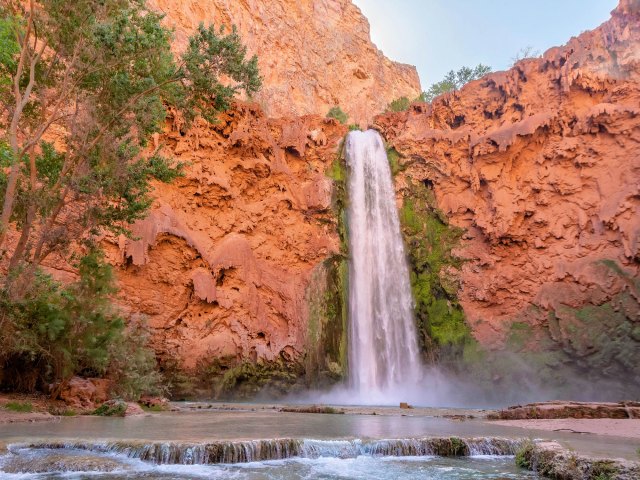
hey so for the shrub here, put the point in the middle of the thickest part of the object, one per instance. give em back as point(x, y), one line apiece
point(525, 52)
point(111, 408)
point(524, 456)
point(337, 113)
point(133, 366)
point(53, 332)
point(399, 105)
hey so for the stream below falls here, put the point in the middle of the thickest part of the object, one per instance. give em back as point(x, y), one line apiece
point(270, 444)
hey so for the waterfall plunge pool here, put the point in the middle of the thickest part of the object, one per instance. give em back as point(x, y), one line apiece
point(192, 445)
point(326, 468)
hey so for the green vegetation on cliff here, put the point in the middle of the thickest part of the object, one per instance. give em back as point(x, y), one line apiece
point(399, 105)
point(454, 81)
point(326, 357)
point(394, 161)
point(430, 242)
point(327, 296)
point(337, 114)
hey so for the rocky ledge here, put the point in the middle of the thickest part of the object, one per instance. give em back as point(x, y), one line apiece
point(550, 460)
point(553, 410)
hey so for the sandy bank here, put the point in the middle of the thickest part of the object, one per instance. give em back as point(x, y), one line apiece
point(629, 428)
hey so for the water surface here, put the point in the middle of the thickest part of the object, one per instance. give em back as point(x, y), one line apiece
point(202, 426)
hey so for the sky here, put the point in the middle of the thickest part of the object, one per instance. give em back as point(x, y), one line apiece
point(441, 35)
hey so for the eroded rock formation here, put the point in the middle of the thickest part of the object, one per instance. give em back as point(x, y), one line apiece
point(541, 165)
point(239, 261)
point(313, 54)
point(221, 265)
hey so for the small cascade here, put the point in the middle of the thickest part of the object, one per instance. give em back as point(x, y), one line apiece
point(178, 453)
point(224, 452)
point(383, 350)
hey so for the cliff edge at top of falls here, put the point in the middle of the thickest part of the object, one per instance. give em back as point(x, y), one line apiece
point(541, 167)
point(313, 54)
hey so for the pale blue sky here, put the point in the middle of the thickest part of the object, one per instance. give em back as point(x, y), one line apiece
point(442, 35)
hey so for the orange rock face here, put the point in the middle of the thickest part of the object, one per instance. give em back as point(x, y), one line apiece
point(541, 165)
point(85, 394)
point(221, 265)
point(312, 54)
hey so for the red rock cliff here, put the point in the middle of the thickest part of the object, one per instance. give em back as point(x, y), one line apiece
point(313, 54)
point(221, 265)
point(541, 165)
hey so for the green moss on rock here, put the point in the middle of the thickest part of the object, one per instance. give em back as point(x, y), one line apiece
point(430, 242)
point(327, 296)
point(325, 361)
point(394, 161)
point(233, 379)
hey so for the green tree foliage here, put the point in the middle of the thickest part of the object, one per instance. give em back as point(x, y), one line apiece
point(102, 74)
point(399, 105)
point(209, 56)
point(454, 81)
point(337, 113)
point(55, 331)
point(98, 76)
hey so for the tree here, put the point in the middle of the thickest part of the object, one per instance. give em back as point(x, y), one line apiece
point(455, 81)
point(55, 331)
point(84, 84)
point(101, 74)
point(525, 52)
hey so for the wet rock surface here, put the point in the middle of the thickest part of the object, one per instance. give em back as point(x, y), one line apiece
point(554, 462)
point(52, 461)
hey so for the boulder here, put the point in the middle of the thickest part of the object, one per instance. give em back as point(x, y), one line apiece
point(84, 393)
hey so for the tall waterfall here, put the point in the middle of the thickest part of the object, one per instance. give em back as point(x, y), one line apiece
point(383, 349)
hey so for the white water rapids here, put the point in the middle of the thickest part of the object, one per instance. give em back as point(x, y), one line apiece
point(383, 350)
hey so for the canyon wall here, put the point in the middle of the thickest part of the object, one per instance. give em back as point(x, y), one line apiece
point(313, 54)
point(541, 167)
point(241, 263)
point(220, 267)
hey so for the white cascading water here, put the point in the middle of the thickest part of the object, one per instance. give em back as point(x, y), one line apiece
point(383, 350)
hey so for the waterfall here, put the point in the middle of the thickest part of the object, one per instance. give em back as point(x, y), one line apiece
point(383, 350)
